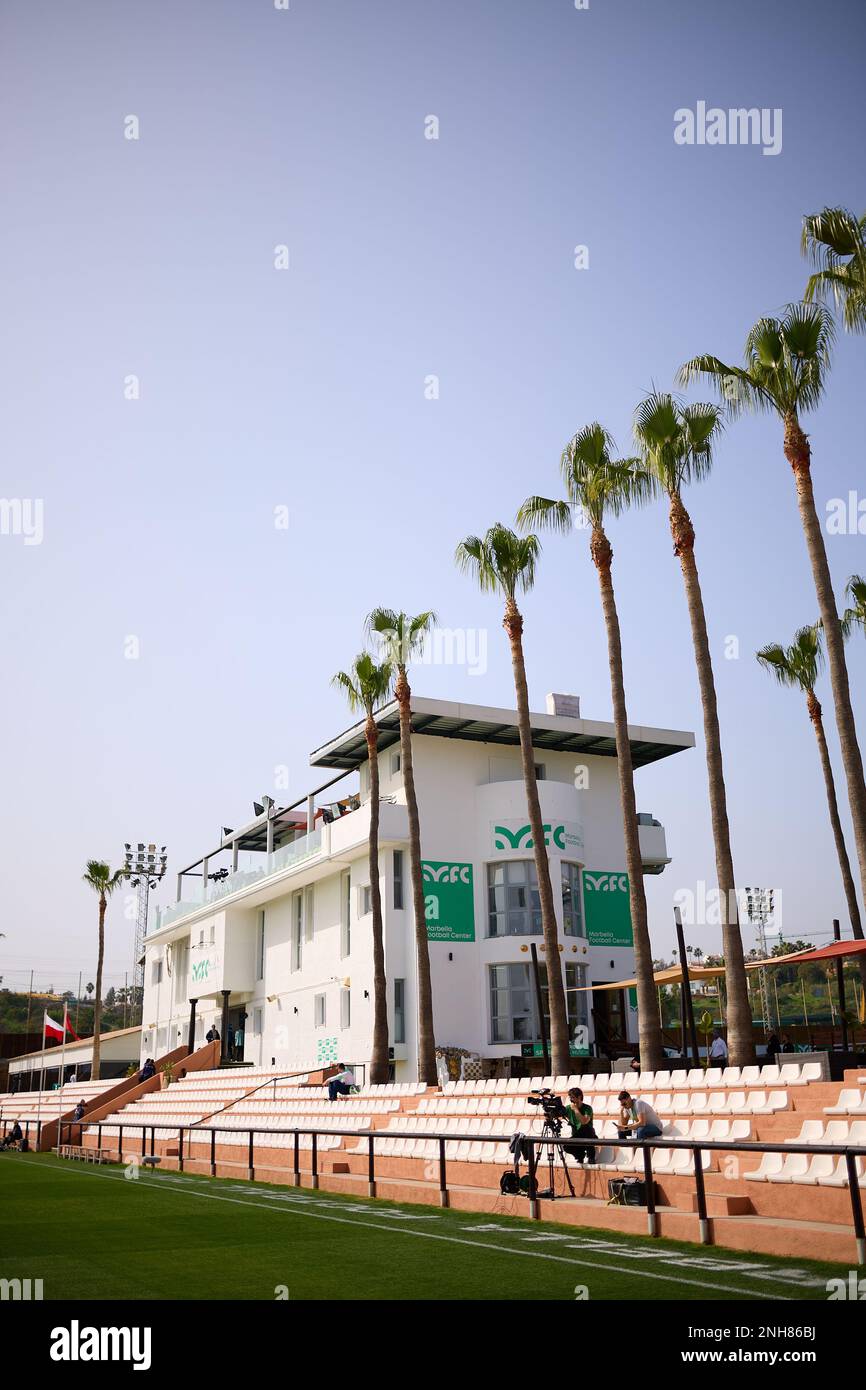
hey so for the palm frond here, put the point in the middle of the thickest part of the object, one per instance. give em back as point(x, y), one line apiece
point(545, 512)
point(500, 561)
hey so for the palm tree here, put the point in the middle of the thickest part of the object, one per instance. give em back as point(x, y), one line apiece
point(402, 636)
point(504, 563)
point(855, 615)
point(100, 878)
point(798, 666)
point(595, 482)
point(835, 240)
point(786, 361)
point(366, 685)
point(676, 444)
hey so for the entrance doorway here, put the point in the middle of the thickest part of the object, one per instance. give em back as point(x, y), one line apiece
point(236, 1039)
point(609, 1016)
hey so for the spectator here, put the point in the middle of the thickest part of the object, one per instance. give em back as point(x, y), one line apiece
point(342, 1083)
point(148, 1070)
point(14, 1137)
point(639, 1116)
point(579, 1116)
point(774, 1047)
point(212, 1034)
point(719, 1049)
point(78, 1112)
point(787, 1045)
point(634, 1066)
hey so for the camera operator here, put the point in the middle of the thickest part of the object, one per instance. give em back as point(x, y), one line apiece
point(579, 1116)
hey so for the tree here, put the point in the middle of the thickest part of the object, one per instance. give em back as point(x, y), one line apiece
point(786, 362)
point(596, 483)
point(367, 685)
point(835, 241)
point(798, 667)
point(100, 878)
point(676, 444)
point(504, 563)
point(855, 615)
point(402, 636)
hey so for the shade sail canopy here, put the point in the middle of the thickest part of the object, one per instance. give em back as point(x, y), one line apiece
point(673, 975)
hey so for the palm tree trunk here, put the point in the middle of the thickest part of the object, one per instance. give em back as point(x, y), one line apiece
point(379, 1052)
point(741, 1044)
point(426, 1036)
point(799, 454)
point(559, 1049)
point(814, 708)
point(649, 1022)
point(97, 1003)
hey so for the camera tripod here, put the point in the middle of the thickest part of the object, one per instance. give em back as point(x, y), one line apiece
point(552, 1129)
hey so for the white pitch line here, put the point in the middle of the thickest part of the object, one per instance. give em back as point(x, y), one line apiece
point(295, 1210)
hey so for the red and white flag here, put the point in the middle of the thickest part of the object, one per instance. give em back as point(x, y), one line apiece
point(57, 1031)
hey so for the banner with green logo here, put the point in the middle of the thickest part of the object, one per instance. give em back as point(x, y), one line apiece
point(606, 902)
point(515, 837)
point(449, 900)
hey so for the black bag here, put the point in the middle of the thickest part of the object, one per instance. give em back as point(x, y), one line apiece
point(626, 1192)
point(25, 1147)
point(509, 1184)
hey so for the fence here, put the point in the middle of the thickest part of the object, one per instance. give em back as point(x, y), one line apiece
point(697, 1148)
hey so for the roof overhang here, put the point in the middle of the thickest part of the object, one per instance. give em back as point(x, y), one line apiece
point(479, 724)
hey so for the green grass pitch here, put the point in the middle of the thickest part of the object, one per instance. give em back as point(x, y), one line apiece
point(91, 1232)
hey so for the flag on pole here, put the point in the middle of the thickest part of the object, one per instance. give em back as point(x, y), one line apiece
point(50, 1029)
point(57, 1031)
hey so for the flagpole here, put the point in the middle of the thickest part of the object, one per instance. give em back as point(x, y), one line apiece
point(41, 1076)
point(63, 1056)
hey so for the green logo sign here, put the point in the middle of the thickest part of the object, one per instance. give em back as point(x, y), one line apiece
point(562, 835)
point(449, 901)
point(607, 904)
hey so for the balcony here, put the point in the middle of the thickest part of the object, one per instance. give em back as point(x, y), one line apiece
point(306, 847)
point(653, 845)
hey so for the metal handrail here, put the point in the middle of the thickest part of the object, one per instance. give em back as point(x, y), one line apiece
point(850, 1152)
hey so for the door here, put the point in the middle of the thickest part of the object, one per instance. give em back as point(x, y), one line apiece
point(609, 1016)
point(237, 1034)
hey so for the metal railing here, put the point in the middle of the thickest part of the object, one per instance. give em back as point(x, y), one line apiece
point(697, 1148)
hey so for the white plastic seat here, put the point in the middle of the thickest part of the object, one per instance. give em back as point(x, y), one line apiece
point(679, 1079)
point(713, 1077)
point(717, 1103)
point(795, 1168)
point(738, 1103)
point(731, 1076)
point(750, 1076)
point(770, 1164)
point(789, 1074)
point(849, 1103)
point(697, 1078)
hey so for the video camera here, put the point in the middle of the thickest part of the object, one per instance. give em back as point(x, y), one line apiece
point(551, 1106)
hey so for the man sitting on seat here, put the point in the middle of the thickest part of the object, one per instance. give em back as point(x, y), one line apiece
point(637, 1116)
point(13, 1138)
point(579, 1116)
point(342, 1083)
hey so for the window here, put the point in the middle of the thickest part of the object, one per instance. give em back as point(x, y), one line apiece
point(346, 915)
point(572, 914)
point(398, 878)
point(309, 915)
point(395, 764)
point(399, 1011)
point(540, 772)
point(156, 972)
point(345, 1008)
point(260, 945)
point(366, 895)
point(297, 930)
point(319, 1008)
point(514, 905)
point(257, 1021)
point(513, 1008)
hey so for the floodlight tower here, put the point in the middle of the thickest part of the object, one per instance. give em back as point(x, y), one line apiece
point(144, 868)
point(759, 905)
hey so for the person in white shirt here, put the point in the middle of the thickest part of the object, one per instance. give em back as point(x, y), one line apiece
point(718, 1048)
point(342, 1083)
point(637, 1117)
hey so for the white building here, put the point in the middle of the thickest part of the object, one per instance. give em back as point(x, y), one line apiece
point(281, 950)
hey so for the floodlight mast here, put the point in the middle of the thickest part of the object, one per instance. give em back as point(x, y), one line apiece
point(759, 905)
point(144, 868)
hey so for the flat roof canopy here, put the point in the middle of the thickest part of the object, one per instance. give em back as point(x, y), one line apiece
point(476, 723)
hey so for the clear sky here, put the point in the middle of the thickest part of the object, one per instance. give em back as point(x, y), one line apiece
point(304, 388)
